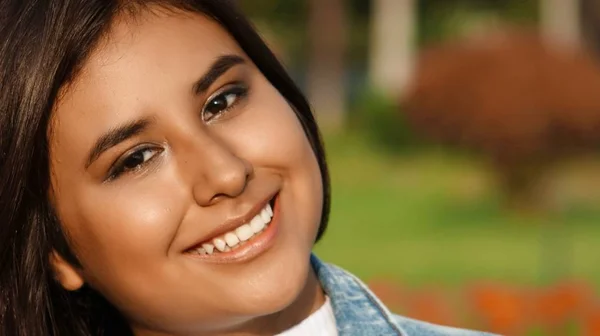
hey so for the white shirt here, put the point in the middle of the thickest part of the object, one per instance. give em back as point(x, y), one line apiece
point(319, 323)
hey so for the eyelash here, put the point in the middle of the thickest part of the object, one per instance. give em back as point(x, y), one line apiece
point(120, 167)
point(238, 89)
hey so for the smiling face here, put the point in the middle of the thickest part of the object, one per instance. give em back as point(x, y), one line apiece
point(169, 140)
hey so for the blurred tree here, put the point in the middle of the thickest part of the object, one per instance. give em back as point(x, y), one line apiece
point(327, 21)
point(393, 26)
point(520, 104)
point(283, 24)
point(590, 17)
point(561, 22)
point(440, 20)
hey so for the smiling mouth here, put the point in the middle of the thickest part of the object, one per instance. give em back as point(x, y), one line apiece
point(240, 238)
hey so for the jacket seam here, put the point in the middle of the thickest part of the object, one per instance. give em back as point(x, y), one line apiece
point(384, 312)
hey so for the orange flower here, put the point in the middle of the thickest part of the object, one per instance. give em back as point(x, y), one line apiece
point(504, 310)
point(591, 322)
point(390, 293)
point(432, 306)
point(559, 304)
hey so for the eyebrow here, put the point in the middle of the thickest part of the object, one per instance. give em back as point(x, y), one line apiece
point(115, 136)
point(216, 70)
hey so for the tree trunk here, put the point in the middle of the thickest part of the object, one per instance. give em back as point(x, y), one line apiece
point(590, 16)
point(393, 27)
point(326, 77)
point(561, 22)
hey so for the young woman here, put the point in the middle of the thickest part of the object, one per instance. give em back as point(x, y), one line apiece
point(160, 174)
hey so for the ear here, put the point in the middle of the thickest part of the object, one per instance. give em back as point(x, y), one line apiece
point(66, 274)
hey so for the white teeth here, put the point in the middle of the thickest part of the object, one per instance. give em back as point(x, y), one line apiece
point(257, 224)
point(241, 234)
point(269, 210)
point(231, 239)
point(265, 216)
point(244, 232)
point(220, 244)
point(209, 248)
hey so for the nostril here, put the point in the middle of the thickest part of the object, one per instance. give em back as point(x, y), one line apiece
point(218, 198)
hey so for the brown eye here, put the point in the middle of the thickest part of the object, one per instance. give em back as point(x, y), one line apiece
point(134, 161)
point(219, 103)
point(223, 102)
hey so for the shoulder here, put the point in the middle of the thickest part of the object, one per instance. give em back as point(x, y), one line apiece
point(413, 327)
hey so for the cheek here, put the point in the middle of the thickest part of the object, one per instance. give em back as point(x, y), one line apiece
point(120, 228)
point(271, 137)
point(269, 133)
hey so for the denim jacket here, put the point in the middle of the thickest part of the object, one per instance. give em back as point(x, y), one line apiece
point(358, 312)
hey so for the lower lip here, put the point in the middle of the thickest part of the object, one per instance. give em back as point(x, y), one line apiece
point(252, 248)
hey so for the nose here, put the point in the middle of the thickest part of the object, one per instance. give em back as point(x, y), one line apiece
point(220, 173)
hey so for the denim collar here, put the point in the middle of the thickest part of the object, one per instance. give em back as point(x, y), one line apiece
point(357, 310)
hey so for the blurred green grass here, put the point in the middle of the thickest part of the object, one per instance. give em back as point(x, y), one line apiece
point(435, 218)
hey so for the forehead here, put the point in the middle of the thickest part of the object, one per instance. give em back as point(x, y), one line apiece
point(145, 63)
point(159, 44)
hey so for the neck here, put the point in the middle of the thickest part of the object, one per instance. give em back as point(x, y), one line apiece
point(310, 300)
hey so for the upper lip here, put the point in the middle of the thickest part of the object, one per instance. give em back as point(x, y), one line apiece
point(232, 223)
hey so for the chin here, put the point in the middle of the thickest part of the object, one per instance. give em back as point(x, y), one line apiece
point(277, 287)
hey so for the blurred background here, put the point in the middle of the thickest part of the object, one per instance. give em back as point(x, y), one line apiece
point(463, 138)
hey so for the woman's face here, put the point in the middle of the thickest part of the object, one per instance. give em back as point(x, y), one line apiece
point(168, 145)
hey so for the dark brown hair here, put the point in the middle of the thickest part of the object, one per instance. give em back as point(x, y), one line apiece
point(42, 45)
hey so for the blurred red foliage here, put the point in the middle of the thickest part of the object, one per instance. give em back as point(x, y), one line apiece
point(591, 322)
point(520, 103)
point(433, 306)
point(562, 303)
point(503, 309)
point(500, 308)
point(390, 291)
